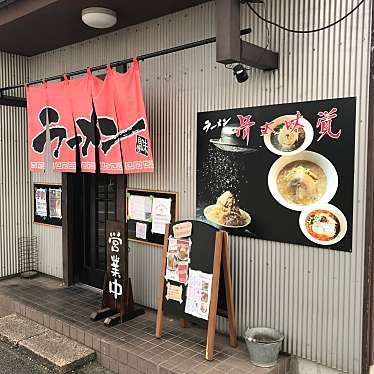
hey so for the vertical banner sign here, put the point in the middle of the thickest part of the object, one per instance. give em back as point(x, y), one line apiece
point(280, 172)
point(37, 125)
point(132, 120)
point(61, 127)
point(80, 93)
point(110, 149)
point(116, 262)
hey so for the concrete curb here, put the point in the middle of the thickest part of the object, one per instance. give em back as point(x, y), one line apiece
point(55, 351)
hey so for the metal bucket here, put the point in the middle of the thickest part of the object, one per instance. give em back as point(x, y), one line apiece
point(263, 345)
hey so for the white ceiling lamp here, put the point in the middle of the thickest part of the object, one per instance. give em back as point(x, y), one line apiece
point(99, 18)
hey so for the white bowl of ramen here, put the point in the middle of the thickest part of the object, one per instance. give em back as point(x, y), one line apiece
point(210, 213)
point(288, 142)
point(323, 224)
point(303, 180)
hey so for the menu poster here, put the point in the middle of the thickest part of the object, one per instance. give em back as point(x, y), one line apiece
point(178, 258)
point(47, 204)
point(55, 202)
point(199, 291)
point(161, 214)
point(140, 208)
point(41, 202)
point(281, 172)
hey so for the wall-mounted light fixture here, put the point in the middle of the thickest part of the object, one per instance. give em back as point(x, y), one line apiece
point(99, 18)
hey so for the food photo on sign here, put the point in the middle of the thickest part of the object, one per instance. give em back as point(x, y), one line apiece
point(281, 172)
point(177, 260)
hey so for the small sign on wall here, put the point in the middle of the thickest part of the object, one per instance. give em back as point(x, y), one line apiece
point(47, 203)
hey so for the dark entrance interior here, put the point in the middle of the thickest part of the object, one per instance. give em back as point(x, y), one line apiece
point(90, 200)
point(99, 205)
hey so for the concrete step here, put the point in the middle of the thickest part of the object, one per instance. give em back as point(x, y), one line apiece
point(50, 348)
point(14, 328)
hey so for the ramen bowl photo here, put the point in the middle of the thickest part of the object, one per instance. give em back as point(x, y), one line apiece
point(210, 214)
point(323, 224)
point(303, 180)
point(182, 252)
point(288, 140)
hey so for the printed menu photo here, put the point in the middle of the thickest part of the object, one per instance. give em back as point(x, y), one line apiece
point(177, 260)
point(199, 291)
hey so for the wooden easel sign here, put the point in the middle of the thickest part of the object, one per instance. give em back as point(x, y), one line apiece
point(195, 280)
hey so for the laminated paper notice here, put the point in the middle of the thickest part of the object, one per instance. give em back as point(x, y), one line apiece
point(177, 260)
point(141, 230)
point(140, 208)
point(198, 294)
point(182, 230)
point(174, 292)
point(41, 202)
point(55, 202)
point(158, 228)
point(161, 214)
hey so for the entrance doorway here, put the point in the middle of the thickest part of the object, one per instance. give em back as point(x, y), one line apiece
point(99, 205)
point(95, 198)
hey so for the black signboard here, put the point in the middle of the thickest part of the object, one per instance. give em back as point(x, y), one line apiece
point(202, 254)
point(47, 204)
point(117, 257)
point(280, 172)
point(195, 282)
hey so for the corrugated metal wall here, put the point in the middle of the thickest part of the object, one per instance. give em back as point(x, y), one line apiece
point(313, 295)
point(49, 237)
point(15, 197)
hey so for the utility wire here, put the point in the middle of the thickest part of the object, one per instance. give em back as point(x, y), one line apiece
point(304, 31)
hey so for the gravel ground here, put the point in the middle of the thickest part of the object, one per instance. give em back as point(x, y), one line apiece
point(12, 361)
